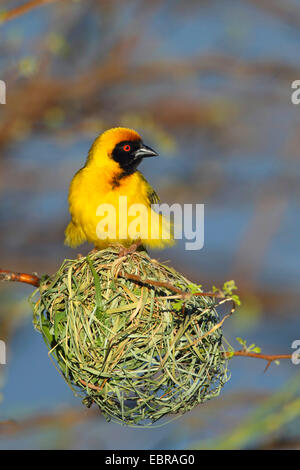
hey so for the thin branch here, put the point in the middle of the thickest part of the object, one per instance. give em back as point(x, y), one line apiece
point(35, 281)
point(169, 286)
point(267, 357)
point(22, 9)
point(10, 276)
point(92, 386)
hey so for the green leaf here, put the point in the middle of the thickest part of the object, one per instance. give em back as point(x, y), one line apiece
point(228, 287)
point(178, 305)
point(236, 299)
point(241, 341)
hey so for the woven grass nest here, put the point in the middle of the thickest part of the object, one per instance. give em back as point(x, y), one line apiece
point(123, 336)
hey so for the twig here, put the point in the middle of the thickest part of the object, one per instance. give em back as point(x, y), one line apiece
point(267, 357)
point(22, 9)
point(214, 328)
point(8, 276)
point(35, 281)
point(169, 286)
point(93, 387)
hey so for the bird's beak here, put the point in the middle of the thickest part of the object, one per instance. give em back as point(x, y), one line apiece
point(145, 151)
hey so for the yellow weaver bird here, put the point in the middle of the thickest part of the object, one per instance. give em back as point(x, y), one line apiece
point(100, 212)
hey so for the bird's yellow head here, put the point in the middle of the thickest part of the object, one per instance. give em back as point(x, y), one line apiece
point(119, 148)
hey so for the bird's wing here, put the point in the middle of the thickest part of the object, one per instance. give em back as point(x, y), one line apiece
point(151, 194)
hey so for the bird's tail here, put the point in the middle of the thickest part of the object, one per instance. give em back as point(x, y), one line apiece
point(74, 235)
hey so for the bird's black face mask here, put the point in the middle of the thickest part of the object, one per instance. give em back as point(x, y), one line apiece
point(129, 155)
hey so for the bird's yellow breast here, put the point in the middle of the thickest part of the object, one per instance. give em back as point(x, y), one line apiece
point(91, 187)
point(94, 191)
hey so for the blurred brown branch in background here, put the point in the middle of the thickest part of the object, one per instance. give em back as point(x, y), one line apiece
point(30, 100)
point(84, 93)
point(92, 91)
point(60, 419)
point(68, 418)
point(22, 9)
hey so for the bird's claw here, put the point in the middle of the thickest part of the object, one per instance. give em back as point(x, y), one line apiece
point(128, 251)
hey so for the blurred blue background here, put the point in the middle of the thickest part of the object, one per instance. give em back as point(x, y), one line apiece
point(207, 84)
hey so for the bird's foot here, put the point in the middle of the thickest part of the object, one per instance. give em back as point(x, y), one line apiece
point(128, 251)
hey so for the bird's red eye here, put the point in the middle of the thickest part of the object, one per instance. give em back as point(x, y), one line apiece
point(126, 148)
